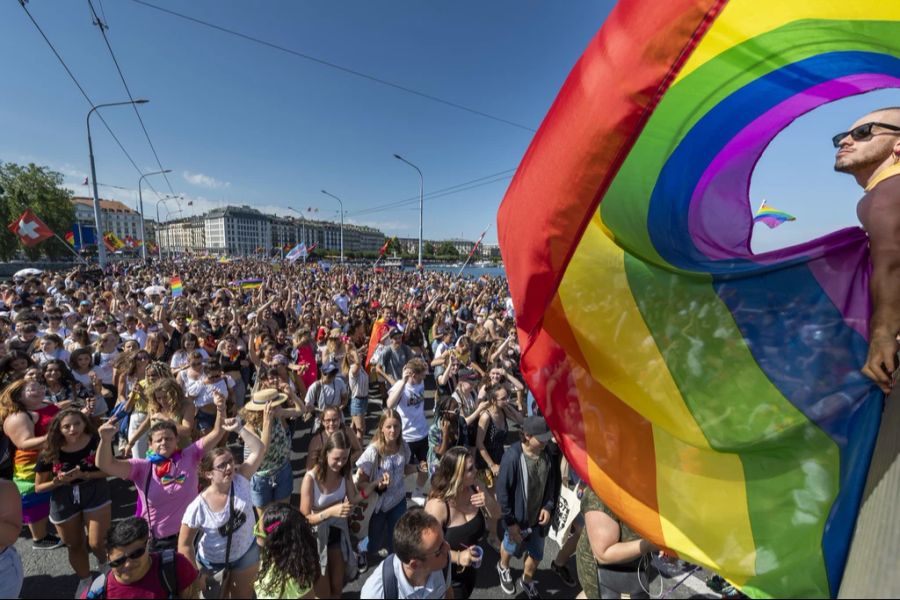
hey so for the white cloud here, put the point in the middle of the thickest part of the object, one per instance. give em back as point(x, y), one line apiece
point(201, 180)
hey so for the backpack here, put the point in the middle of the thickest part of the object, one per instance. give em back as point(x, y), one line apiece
point(389, 579)
point(167, 576)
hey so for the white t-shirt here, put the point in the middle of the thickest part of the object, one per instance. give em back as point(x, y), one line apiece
point(343, 302)
point(198, 515)
point(139, 335)
point(395, 464)
point(105, 369)
point(192, 387)
point(181, 358)
point(206, 393)
point(320, 395)
point(412, 408)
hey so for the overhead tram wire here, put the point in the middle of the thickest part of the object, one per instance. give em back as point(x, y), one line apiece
point(463, 187)
point(101, 25)
point(399, 203)
point(84, 93)
point(336, 66)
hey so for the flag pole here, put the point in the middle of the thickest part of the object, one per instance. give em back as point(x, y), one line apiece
point(472, 253)
point(760, 207)
point(70, 248)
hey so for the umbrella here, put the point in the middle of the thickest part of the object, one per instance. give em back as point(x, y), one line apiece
point(155, 289)
point(27, 272)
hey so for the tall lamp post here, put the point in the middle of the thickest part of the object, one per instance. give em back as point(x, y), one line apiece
point(101, 248)
point(159, 246)
point(421, 202)
point(141, 204)
point(341, 204)
point(302, 225)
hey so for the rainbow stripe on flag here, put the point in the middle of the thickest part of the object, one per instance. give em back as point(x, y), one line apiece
point(771, 216)
point(176, 286)
point(70, 238)
point(711, 396)
point(250, 284)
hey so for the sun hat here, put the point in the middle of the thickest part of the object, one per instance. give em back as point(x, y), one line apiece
point(260, 399)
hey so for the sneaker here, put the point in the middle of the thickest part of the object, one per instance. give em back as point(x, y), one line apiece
point(83, 586)
point(506, 580)
point(529, 587)
point(562, 571)
point(48, 542)
point(418, 497)
point(362, 563)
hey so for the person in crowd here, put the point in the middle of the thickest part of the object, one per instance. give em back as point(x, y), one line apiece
point(329, 390)
point(234, 365)
point(394, 358)
point(463, 510)
point(273, 480)
point(289, 563)
point(165, 402)
point(182, 357)
point(358, 379)
point(51, 348)
point(327, 495)
point(380, 473)
point(332, 421)
point(10, 528)
point(26, 419)
point(63, 390)
point(137, 571)
point(407, 396)
point(13, 366)
point(420, 565)
point(167, 480)
point(222, 516)
point(215, 384)
point(448, 429)
point(497, 375)
point(80, 497)
point(527, 491)
point(613, 561)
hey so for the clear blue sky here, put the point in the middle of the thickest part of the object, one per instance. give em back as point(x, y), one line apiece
point(240, 123)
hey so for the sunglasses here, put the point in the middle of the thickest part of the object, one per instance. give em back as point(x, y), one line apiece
point(863, 132)
point(134, 555)
point(222, 466)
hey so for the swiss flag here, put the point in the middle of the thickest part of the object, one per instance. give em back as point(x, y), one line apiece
point(30, 229)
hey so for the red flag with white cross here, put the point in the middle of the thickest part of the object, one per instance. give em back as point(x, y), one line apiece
point(30, 229)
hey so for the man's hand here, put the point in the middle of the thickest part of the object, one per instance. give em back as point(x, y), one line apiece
point(108, 430)
point(882, 360)
point(515, 534)
point(544, 517)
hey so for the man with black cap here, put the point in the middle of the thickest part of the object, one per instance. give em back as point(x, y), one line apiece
point(527, 491)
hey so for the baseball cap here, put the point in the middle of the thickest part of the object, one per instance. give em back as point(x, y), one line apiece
point(329, 368)
point(537, 427)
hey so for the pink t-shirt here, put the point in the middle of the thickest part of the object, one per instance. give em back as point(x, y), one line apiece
point(150, 585)
point(167, 503)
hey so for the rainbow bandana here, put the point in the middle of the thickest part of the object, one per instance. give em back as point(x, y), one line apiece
point(711, 396)
point(165, 467)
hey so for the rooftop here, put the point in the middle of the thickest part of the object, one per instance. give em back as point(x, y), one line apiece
point(110, 205)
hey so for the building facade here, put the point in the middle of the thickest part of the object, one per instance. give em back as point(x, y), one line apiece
point(114, 216)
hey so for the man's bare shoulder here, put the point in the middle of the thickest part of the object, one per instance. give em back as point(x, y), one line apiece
point(879, 204)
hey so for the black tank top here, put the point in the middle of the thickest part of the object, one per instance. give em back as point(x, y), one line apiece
point(459, 537)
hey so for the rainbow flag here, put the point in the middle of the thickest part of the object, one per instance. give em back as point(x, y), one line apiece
point(70, 238)
point(250, 284)
point(176, 286)
point(771, 216)
point(711, 396)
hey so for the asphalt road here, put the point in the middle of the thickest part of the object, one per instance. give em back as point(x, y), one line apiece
point(48, 574)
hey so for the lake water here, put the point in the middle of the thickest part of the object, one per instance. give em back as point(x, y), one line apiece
point(470, 271)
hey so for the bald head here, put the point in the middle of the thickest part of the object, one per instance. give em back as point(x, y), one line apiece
point(871, 144)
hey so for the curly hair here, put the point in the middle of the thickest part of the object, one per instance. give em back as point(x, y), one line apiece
point(289, 551)
point(55, 437)
point(173, 396)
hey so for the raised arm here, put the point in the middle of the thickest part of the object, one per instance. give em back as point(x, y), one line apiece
point(105, 460)
point(215, 435)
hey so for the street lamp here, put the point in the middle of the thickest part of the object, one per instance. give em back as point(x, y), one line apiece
point(159, 247)
point(342, 221)
point(421, 202)
point(141, 203)
point(101, 248)
point(302, 224)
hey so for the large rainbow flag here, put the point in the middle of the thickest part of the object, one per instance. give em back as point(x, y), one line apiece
point(712, 397)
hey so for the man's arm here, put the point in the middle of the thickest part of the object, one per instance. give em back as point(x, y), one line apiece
point(881, 219)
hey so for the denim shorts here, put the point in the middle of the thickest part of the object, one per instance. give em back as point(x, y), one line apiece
point(275, 487)
point(13, 574)
point(250, 557)
point(359, 407)
point(533, 545)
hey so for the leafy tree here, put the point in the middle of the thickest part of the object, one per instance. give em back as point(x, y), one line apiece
point(428, 249)
point(447, 249)
point(39, 189)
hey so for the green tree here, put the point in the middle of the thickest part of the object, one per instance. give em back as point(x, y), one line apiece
point(447, 249)
point(39, 189)
point(428, 249)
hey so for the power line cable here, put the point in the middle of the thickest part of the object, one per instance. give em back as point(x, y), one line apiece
point(413, 199)
point(103, 27)
point(432, 196)
point(84, 93)
point(335, 66)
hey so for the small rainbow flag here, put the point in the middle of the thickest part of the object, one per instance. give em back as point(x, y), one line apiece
point(250, 284)
point(70, 238)
point(176, 286)
point(772, 217)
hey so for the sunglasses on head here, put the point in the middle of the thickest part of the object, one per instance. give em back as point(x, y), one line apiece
point(133, 555)
point(863, 132)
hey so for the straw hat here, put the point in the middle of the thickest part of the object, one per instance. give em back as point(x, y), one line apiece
point(259, 399)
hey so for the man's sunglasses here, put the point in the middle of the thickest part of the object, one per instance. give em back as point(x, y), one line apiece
point(863, 132)
point(134, 555)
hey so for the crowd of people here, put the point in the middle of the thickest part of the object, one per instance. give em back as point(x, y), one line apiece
point(197, 395)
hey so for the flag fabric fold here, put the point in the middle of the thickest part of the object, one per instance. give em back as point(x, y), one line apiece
point(30, 229)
